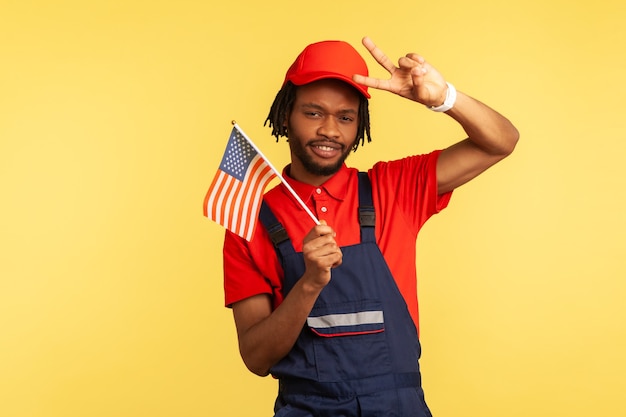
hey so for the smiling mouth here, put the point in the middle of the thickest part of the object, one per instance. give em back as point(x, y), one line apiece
point(326, 148)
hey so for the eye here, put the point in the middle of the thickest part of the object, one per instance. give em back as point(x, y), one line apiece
point(312, 114)
point(346, 119)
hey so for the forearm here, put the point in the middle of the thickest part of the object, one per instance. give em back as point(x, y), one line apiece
point(487, 129)
point(490, 138)
point(267, 341)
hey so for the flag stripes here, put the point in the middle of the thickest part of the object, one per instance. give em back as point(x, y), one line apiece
point(234, 203)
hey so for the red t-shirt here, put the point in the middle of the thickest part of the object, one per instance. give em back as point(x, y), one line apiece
point(405, 196)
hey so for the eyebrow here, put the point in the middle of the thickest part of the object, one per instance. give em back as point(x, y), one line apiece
point(319, 107)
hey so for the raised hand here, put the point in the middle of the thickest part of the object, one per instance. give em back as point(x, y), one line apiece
point(413, 78)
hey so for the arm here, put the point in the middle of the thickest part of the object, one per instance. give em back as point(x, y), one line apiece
point(266, 336)
point(491, 137)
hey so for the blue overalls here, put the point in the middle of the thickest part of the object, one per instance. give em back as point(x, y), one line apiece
point(358, 353)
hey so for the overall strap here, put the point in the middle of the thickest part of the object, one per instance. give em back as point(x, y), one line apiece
point(277, 232)
point(367, 216)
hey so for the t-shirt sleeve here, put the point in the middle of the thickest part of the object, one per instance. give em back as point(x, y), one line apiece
point(411, 185)
point(242, 277)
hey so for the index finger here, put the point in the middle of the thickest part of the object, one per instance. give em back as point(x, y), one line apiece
point(383, 60)
point(321, 229)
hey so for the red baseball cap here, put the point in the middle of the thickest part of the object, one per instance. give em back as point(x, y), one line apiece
point(328, 59)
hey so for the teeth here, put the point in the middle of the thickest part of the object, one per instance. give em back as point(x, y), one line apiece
point(325, 148)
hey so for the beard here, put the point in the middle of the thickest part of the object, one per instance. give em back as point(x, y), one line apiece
point(313, 167)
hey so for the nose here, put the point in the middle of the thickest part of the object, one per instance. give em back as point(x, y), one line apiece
point(329, 127)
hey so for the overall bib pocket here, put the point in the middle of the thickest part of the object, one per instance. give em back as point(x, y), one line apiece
point(347, 336)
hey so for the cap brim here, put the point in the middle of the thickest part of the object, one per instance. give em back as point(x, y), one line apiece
point(311, 77)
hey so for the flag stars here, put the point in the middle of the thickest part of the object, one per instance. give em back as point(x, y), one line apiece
point(237, 157)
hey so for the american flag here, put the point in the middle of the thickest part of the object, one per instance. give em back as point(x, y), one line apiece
point(234, 198)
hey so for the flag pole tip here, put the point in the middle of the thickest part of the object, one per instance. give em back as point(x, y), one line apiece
point(233, 122)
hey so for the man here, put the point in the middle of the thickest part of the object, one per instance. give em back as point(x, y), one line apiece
point(331, 309)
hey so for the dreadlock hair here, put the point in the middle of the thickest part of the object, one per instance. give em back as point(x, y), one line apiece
point(283, 103)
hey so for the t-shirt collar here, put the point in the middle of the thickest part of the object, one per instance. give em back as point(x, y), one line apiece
point(335, 186)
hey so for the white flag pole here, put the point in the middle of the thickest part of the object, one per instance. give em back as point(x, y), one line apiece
point(285, 183)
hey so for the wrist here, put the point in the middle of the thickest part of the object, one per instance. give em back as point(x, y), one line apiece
point(449, 101)
point(313, 286)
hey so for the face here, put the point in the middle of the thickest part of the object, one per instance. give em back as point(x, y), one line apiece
point(322, 128)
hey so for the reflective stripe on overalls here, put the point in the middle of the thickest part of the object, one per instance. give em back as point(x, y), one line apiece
point(358, 353)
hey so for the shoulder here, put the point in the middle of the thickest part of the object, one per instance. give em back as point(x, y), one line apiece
point(403, 166)
point(403, 175)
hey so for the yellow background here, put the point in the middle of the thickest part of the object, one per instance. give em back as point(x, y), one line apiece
point(113, 119)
